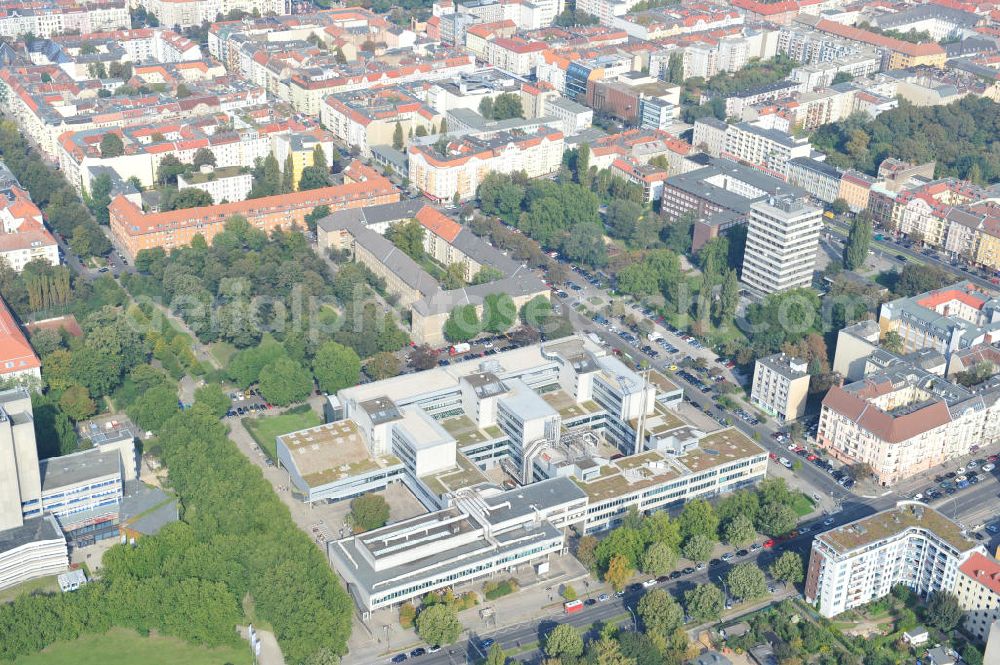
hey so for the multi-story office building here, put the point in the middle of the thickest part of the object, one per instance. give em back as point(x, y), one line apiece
point(585, 437)
point(902, 419)
point(859, 562)
point(780, 386)
point(782, 241)
point(978, 591)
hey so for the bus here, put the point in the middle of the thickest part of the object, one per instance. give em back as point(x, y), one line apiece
point(571, 606)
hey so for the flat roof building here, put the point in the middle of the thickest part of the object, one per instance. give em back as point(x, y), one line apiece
point(780, 386)
point(859, 562)
point(782, 241)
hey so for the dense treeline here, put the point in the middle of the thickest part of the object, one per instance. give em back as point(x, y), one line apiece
point(963, 137)
point(235, 548)
point(49, 190)
point(561, 216)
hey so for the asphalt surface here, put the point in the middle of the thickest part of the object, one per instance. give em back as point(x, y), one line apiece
point(891, 249)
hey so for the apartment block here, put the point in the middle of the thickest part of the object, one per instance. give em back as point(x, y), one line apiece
point(23, 235)
point(364, 118)
point(902, 419)
point(465, 162)
point(820, 179)
point(764, 148)
point(859, 562)
point(780, 386)
point(53, 17)
point(949, 319)
point(19, 364)
point(231, 183)
point(782, 241)
point(134, 230)
point(978, 591)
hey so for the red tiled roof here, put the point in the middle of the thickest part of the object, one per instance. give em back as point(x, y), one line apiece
point(889, 428)
point(869, 37)
point(438, 223)
point(984, 570)
point(16, 354)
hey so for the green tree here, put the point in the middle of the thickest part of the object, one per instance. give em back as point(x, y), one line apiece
point(319, 158)
point(564, 640)
point(776, 519)
point(507, 105)
point(892, 342)
point(112, 145)
point(438, 625)
point(397, 136)
point(317, 213)
point(486, 107)
point(619, 572)
point(213, 398)
point(568, 593)
point(75, 402)
point(746, 581)
point(383, 365)
point(499, 313)
point(54, 433)
point(704, 602)
point(659, 528)
point(583, 165)
point(285, 382)
point(943, 611)
point(586, 551)
point(858, 241)
point(740, 531)
point(369, 511)
point(699, 518)
point(609, 653)
point(659, 559)
point(170, 167)
point(462, 324)
point(624, 542)
point(314, 177)
point(336, 367)
point(189, 197)
point(675, 68)
point(496, 655)
point(154, 407)
point(203, 157)
point(287, 176)
point(408, 236)
point(660, 612)
point(698, 547)
point(729, 297)
point(788, 568)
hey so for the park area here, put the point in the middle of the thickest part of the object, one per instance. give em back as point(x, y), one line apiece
point(265, 429)
point(124, 647)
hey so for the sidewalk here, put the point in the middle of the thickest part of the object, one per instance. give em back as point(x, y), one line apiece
point(382, 635)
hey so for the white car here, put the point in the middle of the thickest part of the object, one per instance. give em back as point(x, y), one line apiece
point(786, 462)
point(989, 467)
point(918, 496)
point(650, 582)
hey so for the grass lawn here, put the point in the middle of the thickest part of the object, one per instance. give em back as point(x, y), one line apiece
point(43, 584)
point(265, 429)
point(124, 647)
point(802, 505)
point(222, 351)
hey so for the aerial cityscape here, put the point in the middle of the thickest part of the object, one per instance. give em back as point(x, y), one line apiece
point(500, 332)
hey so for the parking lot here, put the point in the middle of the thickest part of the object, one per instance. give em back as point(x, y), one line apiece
point(246, 402)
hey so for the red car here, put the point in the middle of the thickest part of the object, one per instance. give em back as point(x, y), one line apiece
point(769, 543)
point(811, 457)
point(993, 458)
point(772, 456)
